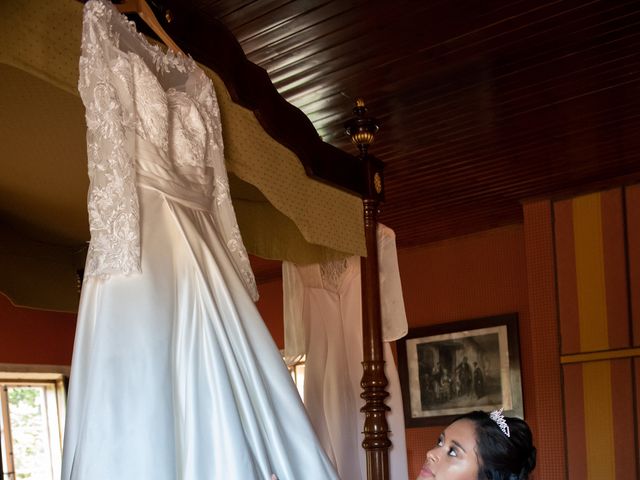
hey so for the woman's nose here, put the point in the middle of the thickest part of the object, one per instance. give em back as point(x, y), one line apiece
point(432, 455)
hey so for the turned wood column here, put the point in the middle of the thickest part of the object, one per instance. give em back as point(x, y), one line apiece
point(362, 130)
point(374, 382)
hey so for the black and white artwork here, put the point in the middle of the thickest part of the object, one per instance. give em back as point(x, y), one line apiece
point(448, 373)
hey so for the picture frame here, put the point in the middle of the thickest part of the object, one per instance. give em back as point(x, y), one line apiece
point(449, 369)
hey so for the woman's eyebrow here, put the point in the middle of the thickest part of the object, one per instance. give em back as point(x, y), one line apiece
point(458, 445)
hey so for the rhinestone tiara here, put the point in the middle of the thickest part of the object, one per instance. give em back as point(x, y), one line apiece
point(497, 417)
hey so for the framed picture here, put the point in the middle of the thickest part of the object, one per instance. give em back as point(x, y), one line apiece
point(447, 370)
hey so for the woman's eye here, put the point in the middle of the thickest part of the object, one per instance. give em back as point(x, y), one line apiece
point(452, 452)
point(440, 442)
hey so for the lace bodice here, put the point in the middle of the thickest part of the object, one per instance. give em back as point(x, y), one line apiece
point(152, 118)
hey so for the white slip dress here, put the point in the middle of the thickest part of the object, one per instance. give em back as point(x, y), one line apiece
point(323, 320)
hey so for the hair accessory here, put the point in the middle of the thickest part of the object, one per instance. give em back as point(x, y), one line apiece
point(497, 417)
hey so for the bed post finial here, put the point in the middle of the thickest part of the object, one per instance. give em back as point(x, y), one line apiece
point(361, 129)
point(376, 441)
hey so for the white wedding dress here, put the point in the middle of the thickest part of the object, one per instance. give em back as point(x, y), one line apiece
point(174, 374)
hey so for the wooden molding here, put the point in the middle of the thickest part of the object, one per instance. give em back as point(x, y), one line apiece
point(600, 355)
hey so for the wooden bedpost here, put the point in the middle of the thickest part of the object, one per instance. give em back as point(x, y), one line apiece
point(374, 382)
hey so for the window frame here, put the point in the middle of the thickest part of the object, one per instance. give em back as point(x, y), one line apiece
point(54, 380)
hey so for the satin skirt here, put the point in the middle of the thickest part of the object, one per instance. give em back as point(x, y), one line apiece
point(174, 373)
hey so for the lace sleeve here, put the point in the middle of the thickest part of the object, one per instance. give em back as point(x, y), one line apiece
point(112, 198)
point(224, 214)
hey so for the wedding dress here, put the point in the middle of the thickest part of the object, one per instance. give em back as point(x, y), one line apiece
point(323, 319)
point(174, 374)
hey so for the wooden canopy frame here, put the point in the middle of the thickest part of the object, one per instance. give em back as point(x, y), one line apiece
point(209, 42)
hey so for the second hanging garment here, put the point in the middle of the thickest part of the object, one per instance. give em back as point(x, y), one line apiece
point(323, 320)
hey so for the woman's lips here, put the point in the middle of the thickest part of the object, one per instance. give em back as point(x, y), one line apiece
point(426, 472)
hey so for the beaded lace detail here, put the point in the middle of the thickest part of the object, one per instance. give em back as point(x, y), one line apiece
point(124, 100)
point(331, 273)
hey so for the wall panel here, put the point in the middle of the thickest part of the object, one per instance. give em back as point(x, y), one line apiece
point(596, 257)
point(29, 336)
point(574, 418)
point(632, 210)
point(545, 374)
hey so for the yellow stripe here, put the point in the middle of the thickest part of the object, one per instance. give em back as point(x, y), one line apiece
point(592, 303)
point(598, 421)
point(604, 355)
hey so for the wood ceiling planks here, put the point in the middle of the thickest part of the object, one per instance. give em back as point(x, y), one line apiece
point(482, 104)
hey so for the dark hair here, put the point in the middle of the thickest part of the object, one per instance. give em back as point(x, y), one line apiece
point(501, 457)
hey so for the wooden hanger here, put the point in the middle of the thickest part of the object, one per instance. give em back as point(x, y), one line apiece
point(142, 8)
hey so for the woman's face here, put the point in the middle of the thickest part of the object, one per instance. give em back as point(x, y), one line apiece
point(454, 456)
